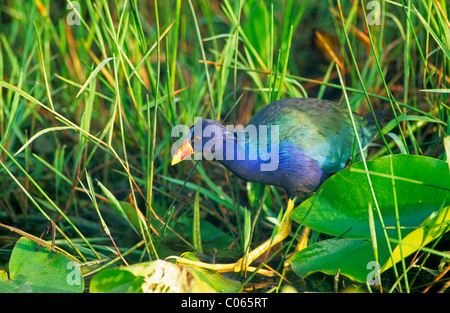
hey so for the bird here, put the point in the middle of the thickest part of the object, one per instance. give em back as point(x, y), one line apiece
point(292, 143)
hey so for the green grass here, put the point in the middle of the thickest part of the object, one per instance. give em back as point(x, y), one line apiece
point(86, 113)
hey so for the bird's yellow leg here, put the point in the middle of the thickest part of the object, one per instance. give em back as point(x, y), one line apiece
point(302, 244)
point(223, 268)
point(244, 263)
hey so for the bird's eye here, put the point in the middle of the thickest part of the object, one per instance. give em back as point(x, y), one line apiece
point(197, 139)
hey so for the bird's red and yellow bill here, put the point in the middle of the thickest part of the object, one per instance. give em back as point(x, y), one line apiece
point(182, 153)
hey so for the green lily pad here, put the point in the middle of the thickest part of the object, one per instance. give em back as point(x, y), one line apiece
point(116, 280)
point(355, 258)
point(40, 271)
point(333, 255)
point(416, 186)
point(340, 206)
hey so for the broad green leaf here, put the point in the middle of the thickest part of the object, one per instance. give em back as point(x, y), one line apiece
point(339, 207)
point(116, 280)
point(40, 271)
point(350, 257)
point(355, 258)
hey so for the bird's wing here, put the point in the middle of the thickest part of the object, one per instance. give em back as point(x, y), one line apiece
point(321, 128)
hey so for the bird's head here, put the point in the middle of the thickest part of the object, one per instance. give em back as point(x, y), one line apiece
point(206, 137)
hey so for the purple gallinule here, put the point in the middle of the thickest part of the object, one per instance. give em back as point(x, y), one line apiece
point(298, 144)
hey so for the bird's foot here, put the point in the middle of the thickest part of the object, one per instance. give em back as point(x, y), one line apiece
point(239, 266)
point(302, 244)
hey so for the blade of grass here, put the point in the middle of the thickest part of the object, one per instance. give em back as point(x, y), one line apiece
point(93, 74)
point(202, 50)
point(12, 113)
point(174, 42)
point(196, 232)
point(398, 226)
point(373, 237)
point(40, 133)
point(44, 70)
point(285, 63)
point(152, 135)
